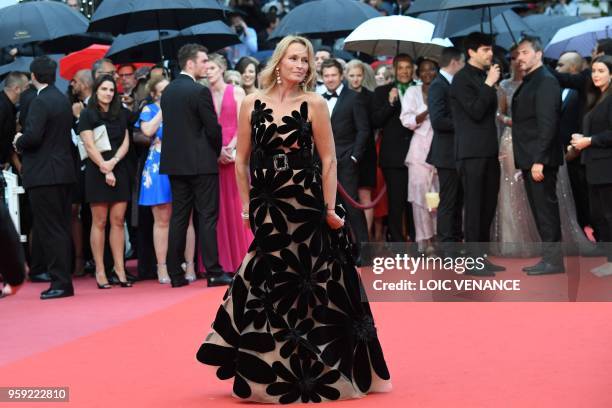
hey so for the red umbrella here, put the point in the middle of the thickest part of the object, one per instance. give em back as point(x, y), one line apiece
point(84, 59)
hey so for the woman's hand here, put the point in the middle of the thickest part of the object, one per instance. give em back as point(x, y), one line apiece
point(107, 166)
point(226, 156)
point(333, 220)
point(110, 179)
point(579, 142)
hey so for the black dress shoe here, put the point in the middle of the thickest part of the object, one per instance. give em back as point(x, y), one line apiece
point(546, 268)
point(41, 278)
point(479, 272)
point(56, 293)
point(219, 280)
point(493, 267)
point(533, 267)
point(178, 282)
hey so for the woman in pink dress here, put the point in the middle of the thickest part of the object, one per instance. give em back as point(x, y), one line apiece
point(233, 237)
point(422, 177)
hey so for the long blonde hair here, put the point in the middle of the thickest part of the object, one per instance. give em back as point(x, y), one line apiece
point(369, 82)
point(268, 75)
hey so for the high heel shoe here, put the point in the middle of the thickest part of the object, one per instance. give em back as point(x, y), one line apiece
point(103, 285)
point(190, 274)
point(126, 284)
point(162, 274)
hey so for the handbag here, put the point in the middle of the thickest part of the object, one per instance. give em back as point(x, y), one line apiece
point(101, 142)
point(432, 198)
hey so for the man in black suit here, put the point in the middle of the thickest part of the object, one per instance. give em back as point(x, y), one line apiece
point(474, 106)
point(48, 174)
point(192, 143)
point(394, 147)
point(351, 127)
point(442, 150)
point(536, 107)
point(572, 107)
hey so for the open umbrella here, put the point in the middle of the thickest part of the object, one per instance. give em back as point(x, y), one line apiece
point(31, 22)
point(327, 19)
point(22, 64)
point(144, 45)
point(448, 22)
point(422, 6)
point(508, 26)
point(547, 26)
point(83, 59)
point(580, 37)
point(65, 45)
point(393, 35)
point(128, 16)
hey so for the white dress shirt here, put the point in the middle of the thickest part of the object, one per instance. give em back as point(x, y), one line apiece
point(331, 102)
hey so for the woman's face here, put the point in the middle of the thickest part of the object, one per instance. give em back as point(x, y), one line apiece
point(105, 92)
point(600, 75)
point(159, 90)
point(380, 76)
point(249, 75)
point(293, 67)
point(214, 73)
point(427, 72)
point(355, 77)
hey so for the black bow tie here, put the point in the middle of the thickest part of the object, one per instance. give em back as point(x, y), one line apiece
point(328, 95)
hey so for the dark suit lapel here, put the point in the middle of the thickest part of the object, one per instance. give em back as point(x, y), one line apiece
point(341, 98)
point(567, 99)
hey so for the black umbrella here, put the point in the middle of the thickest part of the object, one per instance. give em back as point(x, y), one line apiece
point(327, 19)
point(128, 16)
point(422, 6)
point(547, 26)
point(449, 22)
point(31, 22)
point(508, 27)
point(66, 45)
point(143, 46)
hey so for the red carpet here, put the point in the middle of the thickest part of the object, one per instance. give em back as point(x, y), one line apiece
point(136, 348)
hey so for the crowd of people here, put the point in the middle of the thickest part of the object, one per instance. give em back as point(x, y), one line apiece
point(507, 158)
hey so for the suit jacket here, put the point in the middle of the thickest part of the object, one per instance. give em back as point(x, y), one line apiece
point(25, 100)
point(350, 124)
point(7, 127)
point(571, 119)
point(598, 157)
point(442, 150)
point(474, 106)
point(46, 144)
point(536, 108)
point(396, 138)
point(192, 134)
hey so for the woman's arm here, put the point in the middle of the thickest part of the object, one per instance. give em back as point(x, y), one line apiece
point(243, 151)
point(149, 128)
point(410, 116)
point(239, 96)
point(94, 155)
point(326, 148)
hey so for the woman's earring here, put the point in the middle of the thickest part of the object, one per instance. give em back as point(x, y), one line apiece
point(278, 78)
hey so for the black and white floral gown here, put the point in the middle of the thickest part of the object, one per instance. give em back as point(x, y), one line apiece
point(292, 326)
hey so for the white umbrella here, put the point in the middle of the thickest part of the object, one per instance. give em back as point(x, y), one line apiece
point(392, 35)
point(580, 37)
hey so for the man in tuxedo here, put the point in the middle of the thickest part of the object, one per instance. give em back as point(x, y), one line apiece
point(474, 106)
point(48, 174)
point(442, 150)
point(350, 126)
point(572, 107)
point(536, 107)
point(192, 143)
point(394, 146)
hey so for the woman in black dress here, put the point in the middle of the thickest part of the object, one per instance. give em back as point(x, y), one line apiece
point(107, 180)
point(596, 143)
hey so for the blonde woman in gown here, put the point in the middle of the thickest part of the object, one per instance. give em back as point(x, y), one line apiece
point(514, 230)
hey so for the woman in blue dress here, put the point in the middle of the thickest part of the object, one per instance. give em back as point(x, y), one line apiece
point(155, 187)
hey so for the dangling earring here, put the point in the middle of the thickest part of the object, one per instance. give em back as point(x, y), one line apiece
point(278, 78)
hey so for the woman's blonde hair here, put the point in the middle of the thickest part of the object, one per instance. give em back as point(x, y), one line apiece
point(369, 82)
point(219, 60)
point(268, 75)
point(153, 82)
